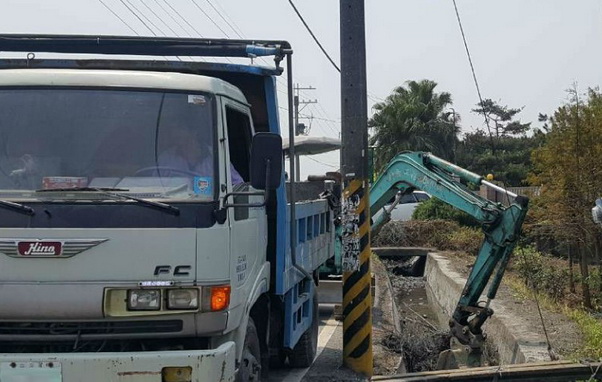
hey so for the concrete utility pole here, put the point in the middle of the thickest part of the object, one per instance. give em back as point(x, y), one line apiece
point(357, 323)
point(299, 129)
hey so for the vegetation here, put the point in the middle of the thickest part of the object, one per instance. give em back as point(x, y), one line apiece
point(417, 118)
point(568, 166)
point(414, 117)
point(564, 157)
point(441, 234)
point(540, 273)
point(590, 326)
point(435, 209)
point(504, 150)
point(509, 159)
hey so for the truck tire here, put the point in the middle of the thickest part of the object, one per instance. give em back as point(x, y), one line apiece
point(250, 362)
point(304, 352)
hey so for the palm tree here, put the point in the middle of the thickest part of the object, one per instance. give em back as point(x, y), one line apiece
point(414, 118)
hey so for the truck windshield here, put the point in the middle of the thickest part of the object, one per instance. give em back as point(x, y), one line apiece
point(147, 143)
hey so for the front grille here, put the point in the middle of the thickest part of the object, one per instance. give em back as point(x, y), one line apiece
point(89, 328)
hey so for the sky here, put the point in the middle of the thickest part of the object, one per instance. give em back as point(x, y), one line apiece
point(526, 53)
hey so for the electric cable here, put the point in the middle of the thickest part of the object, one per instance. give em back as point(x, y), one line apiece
point(173, 18)
point(140, 13)
point(144, 16)
point(209, 17)
point(138, 17)
point(320, 162)
point(159, 18)
point(318, 118)
point(125, 23)
point(183, 18)
point(226, 21)
point(119, 17)
point(314, 36)
point(474, 76)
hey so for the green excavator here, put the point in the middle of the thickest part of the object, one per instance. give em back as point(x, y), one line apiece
point(500, 223)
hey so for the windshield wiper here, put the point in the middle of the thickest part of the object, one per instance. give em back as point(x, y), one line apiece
point(112, 193)
point(18, 207)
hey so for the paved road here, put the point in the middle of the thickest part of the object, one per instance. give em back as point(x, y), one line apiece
point(329, 350)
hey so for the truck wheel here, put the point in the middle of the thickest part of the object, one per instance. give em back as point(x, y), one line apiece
point(304, 352)
point(250, 362)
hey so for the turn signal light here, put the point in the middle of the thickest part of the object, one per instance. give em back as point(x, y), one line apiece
point(220, 297)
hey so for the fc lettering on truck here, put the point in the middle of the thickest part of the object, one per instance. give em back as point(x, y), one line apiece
point(179, 270)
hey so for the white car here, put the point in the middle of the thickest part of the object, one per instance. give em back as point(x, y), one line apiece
point(408, 203)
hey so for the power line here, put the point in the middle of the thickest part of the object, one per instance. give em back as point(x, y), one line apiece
point(314, 36)
point(324, 113)
point(318, 118)
point(133, 11)
point(159, 18)
point(210, 19)
point(183, 18)
point(474, 76)
point(119, 17)
point(138, 17)
point(190, 25)
point(226, 21)
point(156, 27)
point(375, 99)
point(173, 18)
point(334, 126)
point(324, 163)
point(145, 17)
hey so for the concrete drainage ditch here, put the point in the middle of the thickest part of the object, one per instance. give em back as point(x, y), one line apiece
point(426, 290)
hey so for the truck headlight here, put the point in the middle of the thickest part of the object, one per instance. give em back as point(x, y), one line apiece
point(183, 299)
point(144, 299)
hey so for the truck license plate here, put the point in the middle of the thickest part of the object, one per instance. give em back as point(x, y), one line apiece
point(30, 372)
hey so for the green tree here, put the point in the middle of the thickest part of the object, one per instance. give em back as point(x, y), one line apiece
point(511, 162)
point(505, 151)
point(414, 117)
point(502, 119)
point(569, 168)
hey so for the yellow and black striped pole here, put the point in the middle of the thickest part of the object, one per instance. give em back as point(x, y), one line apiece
point(357, 299)
point(355, 219)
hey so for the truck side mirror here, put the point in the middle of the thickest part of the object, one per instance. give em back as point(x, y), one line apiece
point(266, 161)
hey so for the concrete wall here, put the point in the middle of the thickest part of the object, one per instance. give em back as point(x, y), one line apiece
point(515, 343)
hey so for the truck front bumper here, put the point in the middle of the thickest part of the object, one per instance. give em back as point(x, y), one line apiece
point(205, 365)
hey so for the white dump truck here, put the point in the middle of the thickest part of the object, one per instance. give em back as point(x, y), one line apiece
point(146, 231)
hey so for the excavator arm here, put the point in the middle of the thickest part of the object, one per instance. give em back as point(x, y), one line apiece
point(500, 224)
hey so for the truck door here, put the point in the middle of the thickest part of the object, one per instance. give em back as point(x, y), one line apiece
point(248, 236)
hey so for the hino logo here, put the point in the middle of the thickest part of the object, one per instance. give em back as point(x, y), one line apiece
point(46, 247)
point(39, 248)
